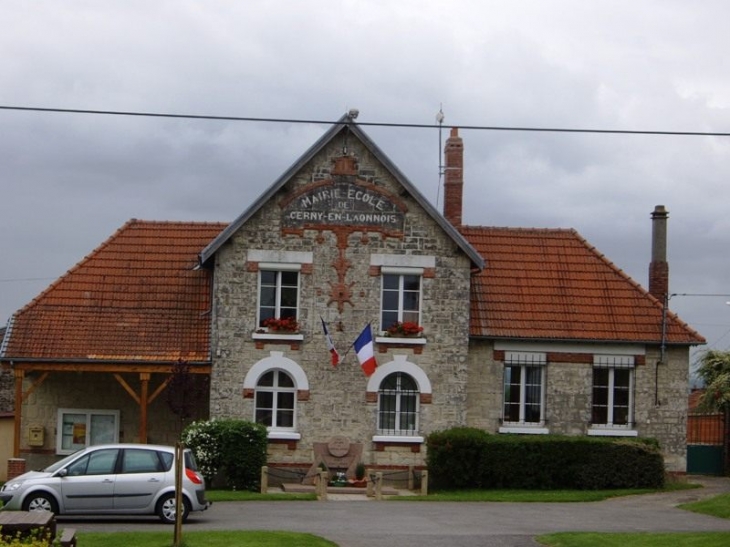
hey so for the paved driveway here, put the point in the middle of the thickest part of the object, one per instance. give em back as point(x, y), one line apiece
point(431, 524)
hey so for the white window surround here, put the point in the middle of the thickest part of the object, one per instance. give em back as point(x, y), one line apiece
point(276, 360)
point(524, 430)
point(280, 257)
point(403, 261)
point(88, 413)
point(399, 364)
point(616, 361)
point(527, 359)
point(603, 431)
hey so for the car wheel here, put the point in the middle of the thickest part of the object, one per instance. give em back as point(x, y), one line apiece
point(40, 502)
point(166, 508)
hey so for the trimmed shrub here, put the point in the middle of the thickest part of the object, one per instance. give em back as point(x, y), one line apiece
point(472, 458)
point(234, 449)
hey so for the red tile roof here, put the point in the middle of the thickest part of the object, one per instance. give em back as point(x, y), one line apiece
point(551, 284)
point(136, 297)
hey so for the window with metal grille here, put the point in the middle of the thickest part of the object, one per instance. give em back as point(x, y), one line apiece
point(398, 405)
point(401, 299)
point(278, 295)
point(276, 400)
point(612, 397)
point(523, 394)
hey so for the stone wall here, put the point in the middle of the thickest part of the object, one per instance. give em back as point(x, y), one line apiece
point(336, 403)
point(660, 396)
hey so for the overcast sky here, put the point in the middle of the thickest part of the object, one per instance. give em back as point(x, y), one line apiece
point(70, 180)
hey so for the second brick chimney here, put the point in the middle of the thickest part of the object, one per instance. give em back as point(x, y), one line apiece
point(659, 267)
point(454, 177)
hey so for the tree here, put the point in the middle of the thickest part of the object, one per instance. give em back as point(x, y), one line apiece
point(186, 391)
point(714, 370)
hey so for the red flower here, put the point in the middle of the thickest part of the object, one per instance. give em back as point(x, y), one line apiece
point(286, 324)
point(405, 328)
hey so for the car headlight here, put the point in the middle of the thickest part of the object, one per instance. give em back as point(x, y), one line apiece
point(12, 486)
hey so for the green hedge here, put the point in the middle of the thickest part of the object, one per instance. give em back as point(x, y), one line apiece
point(234, 449)
point(471, 458)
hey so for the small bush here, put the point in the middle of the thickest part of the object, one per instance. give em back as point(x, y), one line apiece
point(472, 458)
point(234, 448)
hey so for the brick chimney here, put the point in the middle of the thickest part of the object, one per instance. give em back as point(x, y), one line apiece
point(659, 267)
point(454, 177)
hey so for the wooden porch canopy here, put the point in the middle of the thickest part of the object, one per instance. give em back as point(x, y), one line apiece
point(140, 394)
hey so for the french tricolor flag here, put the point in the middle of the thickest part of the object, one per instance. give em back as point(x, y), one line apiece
point(330, 344)
point(365, 351)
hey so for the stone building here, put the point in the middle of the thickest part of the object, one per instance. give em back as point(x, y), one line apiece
point(516, 331)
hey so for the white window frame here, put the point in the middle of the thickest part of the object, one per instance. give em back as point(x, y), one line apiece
point(275, 390)
point(524, 360)
point(65, 429)
point(401, 272)
point(612, 364)
point(277, 361)
point(279, 269)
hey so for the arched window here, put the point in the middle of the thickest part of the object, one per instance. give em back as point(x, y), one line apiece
point(398, 405)
point(275, 400)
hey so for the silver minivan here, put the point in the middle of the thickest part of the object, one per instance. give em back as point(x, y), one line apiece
point(129, 479)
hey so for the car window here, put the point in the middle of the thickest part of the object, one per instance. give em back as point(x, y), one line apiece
point(100, 462)
point(140, 461)
point(167, 459)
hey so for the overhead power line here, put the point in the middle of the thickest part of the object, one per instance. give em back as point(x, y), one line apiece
point(376, 124)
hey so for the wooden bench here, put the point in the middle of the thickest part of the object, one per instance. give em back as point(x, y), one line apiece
point(68, 537)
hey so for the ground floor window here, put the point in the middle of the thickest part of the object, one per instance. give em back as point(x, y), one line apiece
point(398, 405)
point(612, 397)
point(523, 402)
point(79, 428)
point(276, 400)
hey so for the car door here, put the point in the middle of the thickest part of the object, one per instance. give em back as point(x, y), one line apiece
point(88, 484)
point(141, 476)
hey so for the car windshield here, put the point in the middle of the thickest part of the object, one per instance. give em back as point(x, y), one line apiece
point(61, 463)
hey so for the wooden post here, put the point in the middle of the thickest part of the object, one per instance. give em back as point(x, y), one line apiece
point(144, 378)
point(369, 487)
point(424, 482)
point(19, 375)
point(264, 479)
point(410, 478)
point(379, 485)
point(179, 463)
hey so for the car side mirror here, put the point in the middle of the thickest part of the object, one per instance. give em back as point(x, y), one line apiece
point(62, 472)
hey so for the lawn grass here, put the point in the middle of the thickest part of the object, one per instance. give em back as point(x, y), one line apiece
point(595, 539)
point(203, 539)
point(719, 506)
point(551, 496)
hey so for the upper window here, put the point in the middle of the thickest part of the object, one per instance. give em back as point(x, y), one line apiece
point(398, 405)
point(79, 428)
point(524, 390)
point(401, 299)
point(278, 295)
point(276, 397)
point(612, 397)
